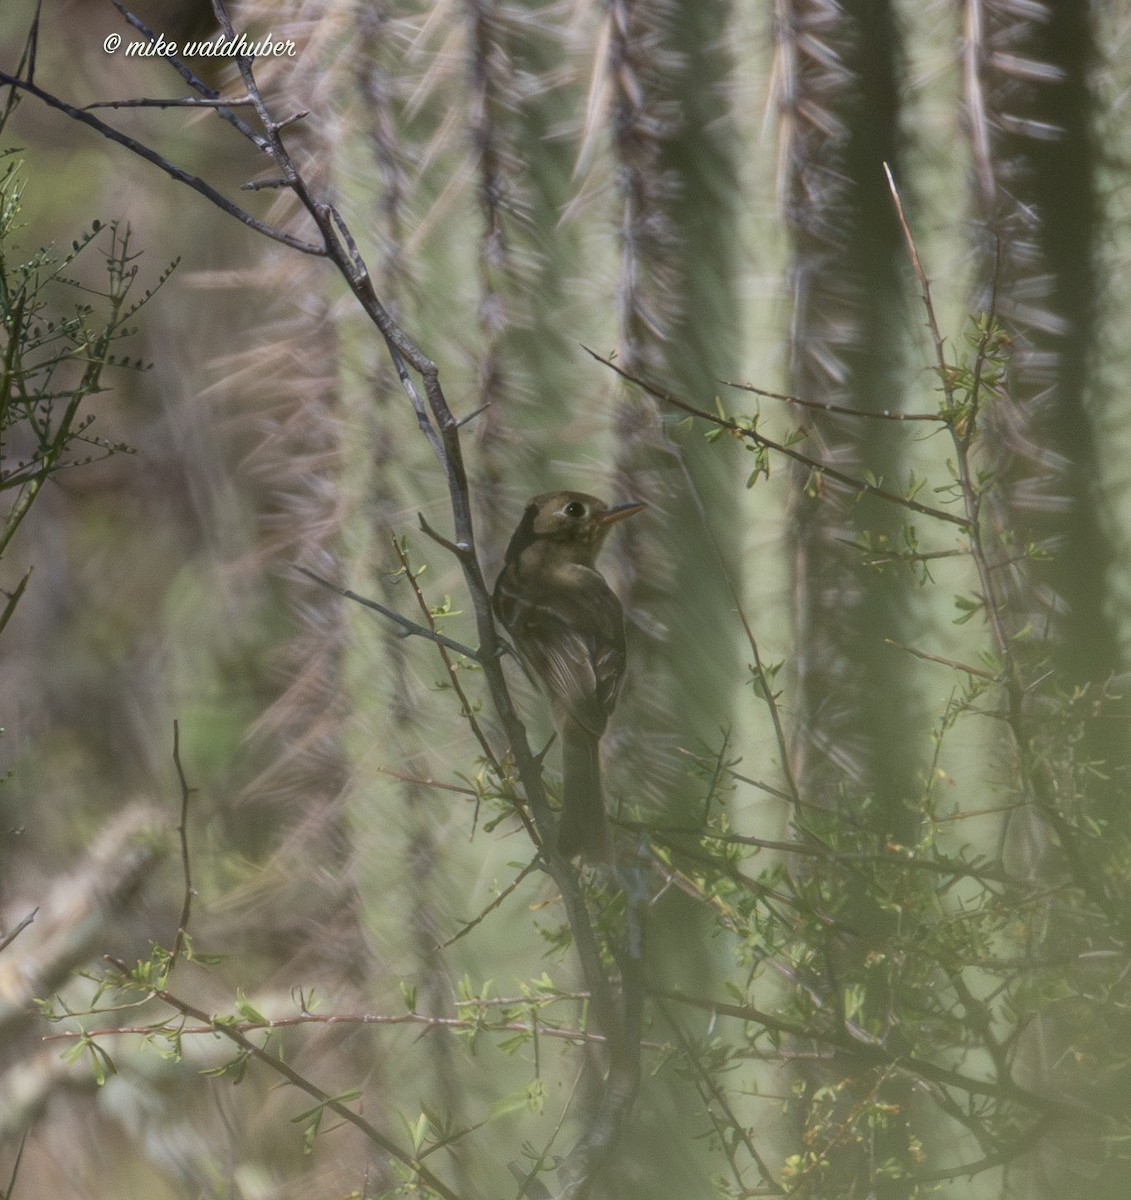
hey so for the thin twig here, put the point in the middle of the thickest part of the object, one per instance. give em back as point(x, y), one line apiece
point(186, 865)
point(534, 865)
point(946, 662)
point(411, 628)
point(713, 1096)
point(431, 783)
point(881, 557)
point(209, 1025)
point(467, 711)
point(237, 1036)
point(264, 185)
point(876, 1055)
point(194, 81)
point(769, 700)
point(1009, 1153)
point(162, 163)
point(10, 1190)
point(439, 538)
point(836, 409)
point(31, 47)
point(13, 598)
point(175, 102)
point(17, 929)
point(920, 274)
point(849, 481)
point(1033, 772)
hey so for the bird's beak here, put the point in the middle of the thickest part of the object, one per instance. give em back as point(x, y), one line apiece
point(611, 515)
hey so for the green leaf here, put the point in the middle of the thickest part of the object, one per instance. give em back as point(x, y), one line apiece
point(248, 1011)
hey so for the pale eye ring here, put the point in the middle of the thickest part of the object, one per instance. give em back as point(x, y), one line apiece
point(574, 509)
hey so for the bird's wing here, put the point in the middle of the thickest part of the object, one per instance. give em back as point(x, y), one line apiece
point(574, 642)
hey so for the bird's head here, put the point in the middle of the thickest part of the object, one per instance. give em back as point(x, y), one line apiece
point(574, 523)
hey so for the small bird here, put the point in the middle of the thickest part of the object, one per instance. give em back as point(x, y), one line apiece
point(569, 629)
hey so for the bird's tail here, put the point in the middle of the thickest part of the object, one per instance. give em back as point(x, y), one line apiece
point(584, 829)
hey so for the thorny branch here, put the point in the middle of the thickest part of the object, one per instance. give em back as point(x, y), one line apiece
point(1032, 771)
point(423, 1020)
point(758, 439)
point(239, 1038)
point(162, 163)
point(878, 1056)
point(410, 628)
point(466, 707)
point(186, 860)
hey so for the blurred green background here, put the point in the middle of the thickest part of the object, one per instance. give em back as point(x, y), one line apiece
point(694, 187)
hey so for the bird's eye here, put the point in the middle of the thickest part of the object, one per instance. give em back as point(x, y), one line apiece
point(574, 509)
